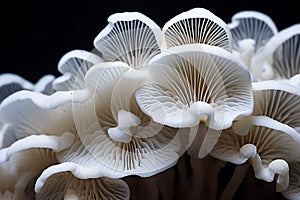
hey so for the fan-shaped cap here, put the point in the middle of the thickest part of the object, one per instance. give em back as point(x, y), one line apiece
point(56, 143)
point(268, 135)
point(130, 37)
point(266, 140)
point(252, 25)
point(65, 186)
point(279, 59)
point(197, 25)
point(278, 101)
point(73, 65)
point(26, 158)
point(116, 135)
point(28, 113)
point(11, 83)
point(268, 149)
point(193, 83)
point(22, 168)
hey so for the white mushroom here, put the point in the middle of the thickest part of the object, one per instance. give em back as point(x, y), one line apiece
point(22, 168)
point(193, 84)
point(65, 186)
point(196, 83)
point(250, 32)
point(197, 25)
point(73, 65)
point(11, 83)
point(116, 138)
point(279, 59)
point(44, 120)
point(269, 137)
point(28, 113)
point(278, 101)
point(252, 27)
point(267, 150)
point(130, 37)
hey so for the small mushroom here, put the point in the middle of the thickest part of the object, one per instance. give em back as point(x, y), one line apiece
point(252, 26)
point(269, 137)
point(22, 168)
point(27, 113)
point(65, 186)
point(268, 150)
point(130, 37)
point(56, 143)
point(73, 65)
point(278, 101)
point(11, 83)
point(279, 59)
point(197, 25)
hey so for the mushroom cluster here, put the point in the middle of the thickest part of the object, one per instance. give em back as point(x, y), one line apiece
point(147, 96)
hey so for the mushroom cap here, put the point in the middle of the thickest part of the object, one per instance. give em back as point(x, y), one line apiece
point(73, 65)
point(22, 168)
point(114, 134)
point(192, 73)
point(130, 37)
point(65, 186)
point(270, 144)
point(278, 101)
point(27, 113)
point(279, 59)
point(197, 25)
point(11, 83)
point(252, 25)
point(56, 143)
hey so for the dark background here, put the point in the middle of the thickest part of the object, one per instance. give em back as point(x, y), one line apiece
point(34, 35)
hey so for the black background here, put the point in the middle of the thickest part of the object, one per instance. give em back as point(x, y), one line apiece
point(34, 35)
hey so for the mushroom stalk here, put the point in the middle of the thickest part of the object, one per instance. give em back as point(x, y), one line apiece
point(246, 50)
point(203, 110)
point(121, 133)
point(267, 173)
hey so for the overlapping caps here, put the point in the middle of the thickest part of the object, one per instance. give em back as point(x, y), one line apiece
point(146, 95)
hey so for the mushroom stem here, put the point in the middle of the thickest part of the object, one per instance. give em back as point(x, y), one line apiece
point(246, 51)
point(203, 110)
point(121, 133)
point(261, 68)
point(267, 173)
point(127, 119)
point(281, 168)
